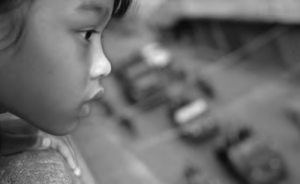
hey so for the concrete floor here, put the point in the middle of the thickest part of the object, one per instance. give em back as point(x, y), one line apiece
point(157, 155)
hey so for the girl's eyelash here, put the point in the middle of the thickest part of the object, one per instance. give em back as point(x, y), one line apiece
point(88, 33)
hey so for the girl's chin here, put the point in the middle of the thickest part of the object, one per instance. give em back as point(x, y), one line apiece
point(60, 129)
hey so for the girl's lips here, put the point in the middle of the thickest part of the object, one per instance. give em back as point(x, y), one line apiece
point(85, 110)
point(86, 107)
point(99, 94)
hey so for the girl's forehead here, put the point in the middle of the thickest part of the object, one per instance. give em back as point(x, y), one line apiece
point(105, 3)
point(75, 4)
point(60, 9)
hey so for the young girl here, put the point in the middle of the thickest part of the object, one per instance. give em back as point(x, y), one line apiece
point(51, 65)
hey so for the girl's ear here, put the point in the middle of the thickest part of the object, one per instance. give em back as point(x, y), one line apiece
point(8, 27)
point(12, 22)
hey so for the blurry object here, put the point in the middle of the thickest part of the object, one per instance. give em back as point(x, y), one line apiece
point(211, 39)
point(250, 159)
point(128, 126)
point(147, 8)
point(283, 11)
point(155, 55)
point(140, 86)
point(141, 78)
point(206, 88)
point(293, 112)
point(176, 74)
point(194, 175)
point(106, 107)
point(190, 114)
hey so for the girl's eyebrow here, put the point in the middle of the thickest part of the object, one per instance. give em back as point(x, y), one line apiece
point(94, 7)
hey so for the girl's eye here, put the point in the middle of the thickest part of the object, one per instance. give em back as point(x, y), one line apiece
point(88, 34)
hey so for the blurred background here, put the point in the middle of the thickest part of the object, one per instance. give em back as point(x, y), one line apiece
point(201, 92)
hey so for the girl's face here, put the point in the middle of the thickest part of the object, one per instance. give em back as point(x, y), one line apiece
point(55, 73)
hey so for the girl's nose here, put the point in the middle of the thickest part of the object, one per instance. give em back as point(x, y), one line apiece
point(100, 66)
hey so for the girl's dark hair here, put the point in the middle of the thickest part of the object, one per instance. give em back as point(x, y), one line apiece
point(8, 5)
point(120, 8)
point(10, 22)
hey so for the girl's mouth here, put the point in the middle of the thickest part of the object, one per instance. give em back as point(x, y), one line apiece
point(99, 94)
point(86, 107)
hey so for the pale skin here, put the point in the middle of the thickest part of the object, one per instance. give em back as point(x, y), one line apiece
point(55, 73)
